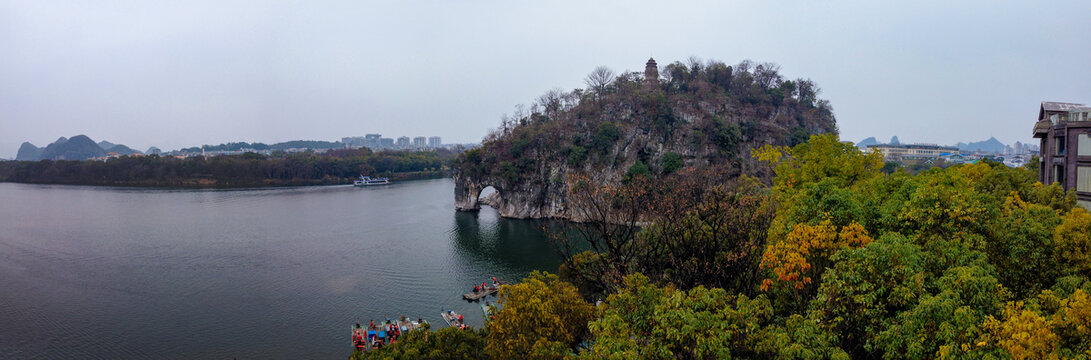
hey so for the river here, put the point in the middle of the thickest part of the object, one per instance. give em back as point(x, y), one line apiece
point(118, 273)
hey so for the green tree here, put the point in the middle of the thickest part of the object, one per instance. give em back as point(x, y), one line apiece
point(638, 169)
point(890, 167)
point(577, 155)
point(868, 286)
point(672, 162)
point(800, 338)
point(446, 344)
point(650, 322)
point(607, 135)
point(1022, 247)
point(948, 323)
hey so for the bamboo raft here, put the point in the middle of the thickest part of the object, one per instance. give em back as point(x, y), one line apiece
point(474, 296)
point(372, 336)
point(451, 318)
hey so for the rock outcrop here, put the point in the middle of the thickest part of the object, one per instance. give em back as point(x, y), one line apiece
point(529, 200)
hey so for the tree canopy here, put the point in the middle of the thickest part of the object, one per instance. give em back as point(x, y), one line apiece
point(832, 258)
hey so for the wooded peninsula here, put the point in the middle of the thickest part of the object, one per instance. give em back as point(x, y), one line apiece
point(338, 166)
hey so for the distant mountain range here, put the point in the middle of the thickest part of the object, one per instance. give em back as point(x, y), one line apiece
point(872, 141)
point(992, 145)
point(868, 142)
point(81, 147)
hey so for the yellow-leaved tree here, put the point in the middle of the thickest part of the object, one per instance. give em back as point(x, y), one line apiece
point(1073, 241)
point(793, 259)
point(540, 318)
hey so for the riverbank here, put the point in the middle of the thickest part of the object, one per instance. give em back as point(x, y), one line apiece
point(210, 183)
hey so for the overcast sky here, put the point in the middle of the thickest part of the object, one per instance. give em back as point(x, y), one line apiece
point(177, 74)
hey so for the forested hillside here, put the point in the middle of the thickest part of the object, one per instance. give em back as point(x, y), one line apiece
point(834, 260)
point(696, 114)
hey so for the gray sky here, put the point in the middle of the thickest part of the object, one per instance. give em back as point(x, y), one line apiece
point(175, 74)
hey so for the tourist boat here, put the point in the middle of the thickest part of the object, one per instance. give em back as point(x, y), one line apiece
point(368, 181)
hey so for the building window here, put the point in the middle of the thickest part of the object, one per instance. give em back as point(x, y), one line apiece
point(1083, 178)
point(1083, 145)
point(1084, 203)
point(1058, 145)
point(1058, 175)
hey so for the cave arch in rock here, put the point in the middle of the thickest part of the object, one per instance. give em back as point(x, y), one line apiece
point(519, 200)
point(468, 192)
point(483, 196)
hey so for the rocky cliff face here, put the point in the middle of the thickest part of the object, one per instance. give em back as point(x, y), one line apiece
point(704, 115)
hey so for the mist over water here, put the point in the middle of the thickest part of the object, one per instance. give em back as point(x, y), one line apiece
point(107, 273)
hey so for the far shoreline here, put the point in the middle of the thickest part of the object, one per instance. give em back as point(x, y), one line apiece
point(207, 184)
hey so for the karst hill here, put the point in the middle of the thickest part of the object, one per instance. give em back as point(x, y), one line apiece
point(693, 114)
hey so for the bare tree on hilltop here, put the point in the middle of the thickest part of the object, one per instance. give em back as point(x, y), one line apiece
point(599, 79)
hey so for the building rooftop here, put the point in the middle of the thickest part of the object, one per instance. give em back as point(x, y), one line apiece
point(1060, 106)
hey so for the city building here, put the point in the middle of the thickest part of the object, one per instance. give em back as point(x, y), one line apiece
point(899, 153)
point(378, 142)
point(1065, 133)
point(353, 141)
point(373, 140)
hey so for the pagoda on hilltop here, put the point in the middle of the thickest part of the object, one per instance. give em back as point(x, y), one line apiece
point(651, 74)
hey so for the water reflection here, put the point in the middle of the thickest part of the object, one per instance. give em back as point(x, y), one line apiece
point(519, 246)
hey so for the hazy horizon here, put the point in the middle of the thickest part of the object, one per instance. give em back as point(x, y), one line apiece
point(180, 74)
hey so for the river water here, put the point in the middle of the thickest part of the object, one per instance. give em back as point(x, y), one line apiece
point(114, 273)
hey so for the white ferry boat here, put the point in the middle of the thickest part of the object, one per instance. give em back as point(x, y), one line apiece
point(368, 181)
